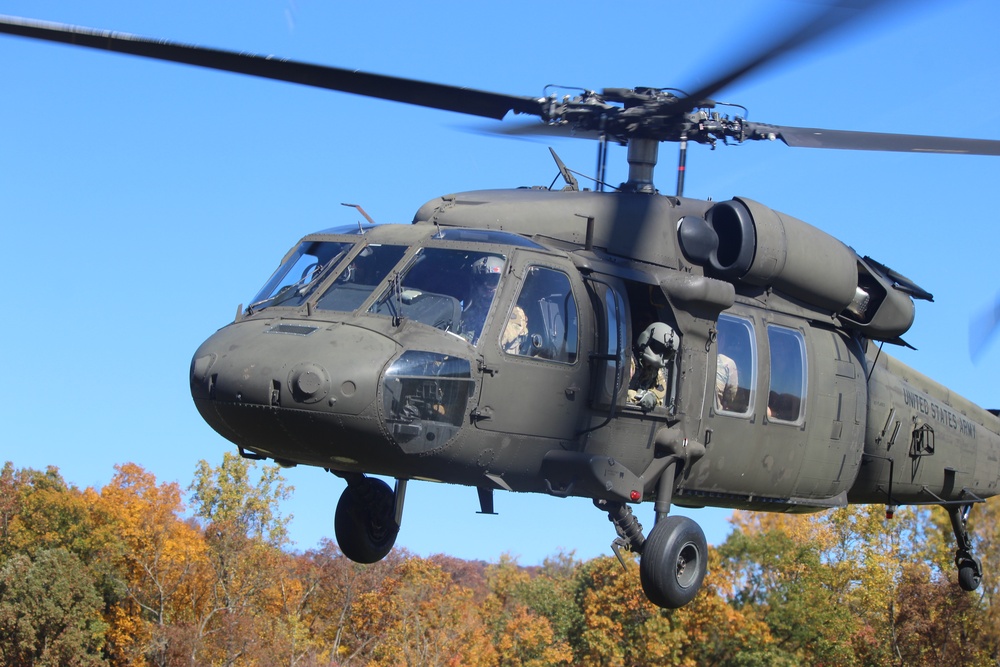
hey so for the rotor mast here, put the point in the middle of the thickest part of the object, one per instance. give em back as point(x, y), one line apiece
point(642, 156)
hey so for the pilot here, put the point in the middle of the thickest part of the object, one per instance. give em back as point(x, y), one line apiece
point(655, 348)
point(485, 278)
point(514, 339)
point(727, 377)
point(356, 269)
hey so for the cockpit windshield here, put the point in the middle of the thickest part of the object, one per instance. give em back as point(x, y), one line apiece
point(449, 288)
point(300, 275)
point(446, 288)
point(360, 277)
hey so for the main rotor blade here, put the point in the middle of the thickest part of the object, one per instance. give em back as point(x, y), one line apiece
point(837, 15)
point(982, 329)
point(409, 91)
point(811, 137)
point(796, 137)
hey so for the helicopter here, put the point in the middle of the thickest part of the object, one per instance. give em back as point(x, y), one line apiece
point(358, 355)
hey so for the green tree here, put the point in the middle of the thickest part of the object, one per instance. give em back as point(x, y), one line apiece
point(50, 611)
point(224, 496)
point(551, 592)
point(780, 574)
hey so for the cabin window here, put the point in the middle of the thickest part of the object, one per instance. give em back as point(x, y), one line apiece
point(735, 365)
point(786, 395)
point(543, 321)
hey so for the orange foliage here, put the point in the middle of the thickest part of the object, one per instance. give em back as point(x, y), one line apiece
point(840, 587)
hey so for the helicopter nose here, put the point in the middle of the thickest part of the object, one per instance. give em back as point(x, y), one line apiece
point(293, 391)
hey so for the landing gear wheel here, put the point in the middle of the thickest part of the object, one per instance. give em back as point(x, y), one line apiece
point(365, 522)
point(970, 568)
point(970, 574)
point(674, 561)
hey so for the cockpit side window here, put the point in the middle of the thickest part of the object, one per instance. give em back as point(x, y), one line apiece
point(786, 395)
point(543, 321)
point(735, 366)
point(299, 276)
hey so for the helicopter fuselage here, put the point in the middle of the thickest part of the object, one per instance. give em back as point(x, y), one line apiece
point(359, 357)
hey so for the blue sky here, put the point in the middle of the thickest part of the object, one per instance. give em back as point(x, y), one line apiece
point(143, 202)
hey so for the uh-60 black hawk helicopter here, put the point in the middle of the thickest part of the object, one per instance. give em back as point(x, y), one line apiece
point(622, 346)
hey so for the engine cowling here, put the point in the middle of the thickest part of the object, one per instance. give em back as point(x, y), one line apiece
point(743, 241)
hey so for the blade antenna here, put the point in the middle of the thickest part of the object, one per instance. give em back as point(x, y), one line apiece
point(682, 164)
point(564, 171)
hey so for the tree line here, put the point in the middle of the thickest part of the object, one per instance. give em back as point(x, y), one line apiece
point(130, 574)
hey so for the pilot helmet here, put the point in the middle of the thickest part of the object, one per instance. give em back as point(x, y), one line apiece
point(657, 345)
point(487, 270)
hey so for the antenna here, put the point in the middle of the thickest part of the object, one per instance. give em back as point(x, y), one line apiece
point(564, 171)
point(362, 212)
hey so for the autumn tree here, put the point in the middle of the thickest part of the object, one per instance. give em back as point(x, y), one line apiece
point(427, 619)
point(333, 590)
point(243, 533)
point(938, 623)
point(159, 563)
point(44, 512)
point(523, 636)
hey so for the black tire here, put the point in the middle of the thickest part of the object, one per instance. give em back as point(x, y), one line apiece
point(969, 575)
point(674, 561)
point(365, 521)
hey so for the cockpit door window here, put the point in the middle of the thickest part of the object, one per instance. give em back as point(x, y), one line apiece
point(543, 321)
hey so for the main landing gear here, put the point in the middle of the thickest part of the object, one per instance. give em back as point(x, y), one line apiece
point(970, 568)
point(673, 559)
point(368, 517)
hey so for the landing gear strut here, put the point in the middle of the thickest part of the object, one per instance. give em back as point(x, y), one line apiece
point(970, 568)
point(673, 559)
point(367, 519)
